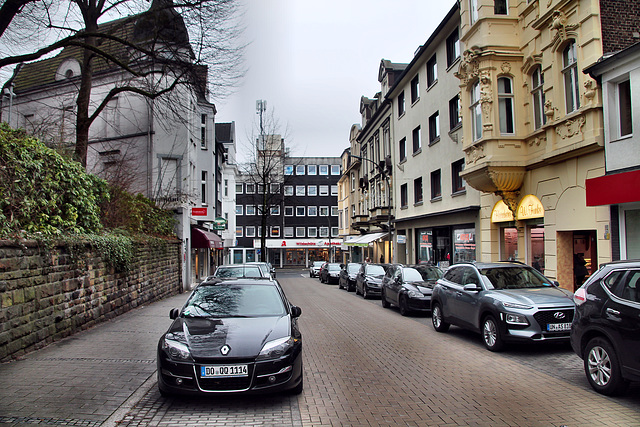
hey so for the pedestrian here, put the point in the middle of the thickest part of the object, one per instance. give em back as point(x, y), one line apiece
point(381, 259)
point(367, 259)
point(580, 270)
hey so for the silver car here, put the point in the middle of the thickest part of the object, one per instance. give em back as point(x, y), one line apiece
point(503, 301)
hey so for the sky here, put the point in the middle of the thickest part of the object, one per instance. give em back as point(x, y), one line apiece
point(312, 61)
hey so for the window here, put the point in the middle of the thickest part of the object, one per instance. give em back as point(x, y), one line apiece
point(259, 229)
point(275, 210)
point(324, 190)
point(324, 210)
point(402, 146)
point(473, 11)
point(324, 231)
point(288, 170)
point(537, 93)
point(288, 232)
point(453, 48)
point(239, 188)
point(274, 188)
point(251, 188)
point(476, 112)
point(335, 169)
point(312, 232)
point(434, 128)
point(501, 7)
point(334, 190)
point(312, 190)
point(300, 170)
point(335, 232)
point(203, 131)
point(324, 170)
point(436, 185)
point(624, 105)
point(457, 183)
point(312, 211)
point(239, 231)
point(203, 188)
point(401, 104)
point(454, 112)
point(416, 140)
point(226, 187)
point(251, 231)
point(432, 71)
point(353, 182)
point(239, 209)
point(505, 105)
point(417, 190)
point(404, 199)
point(260, 188)
point(334, 211)
point(275, 231)
point(312, 169)
point(300, 231)
point(300, 190)
point(415, 89)
point(250, 210)
point(288, 211)
point(570, 75)
point(288, 190)
point(300, 210)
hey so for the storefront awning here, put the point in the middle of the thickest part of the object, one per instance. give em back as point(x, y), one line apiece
point(614, 189)
point(365, 239)
point(205, 239)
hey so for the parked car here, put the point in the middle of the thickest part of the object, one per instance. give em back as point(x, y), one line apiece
point(266, 267)
point(348, 276)
point(504, 301)
point(238, 271)
point(606, 328)
point(314, 270)
point(369, 279)
point(237, 336)
point(330, 272)
point(409, 287)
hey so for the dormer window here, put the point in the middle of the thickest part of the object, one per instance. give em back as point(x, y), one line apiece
point(68, 74)
point(68, 69)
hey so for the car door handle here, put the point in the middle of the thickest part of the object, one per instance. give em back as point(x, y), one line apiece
point(458, 293)
point(613, 312)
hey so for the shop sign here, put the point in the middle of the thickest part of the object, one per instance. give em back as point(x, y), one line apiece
point(401, 239)
point(219, 223)
point(501, 212)
point(530, 207)
point(198, 211)
point(297, 243)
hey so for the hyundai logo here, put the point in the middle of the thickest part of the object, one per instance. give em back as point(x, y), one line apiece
point(225, 350)
point(559, 315)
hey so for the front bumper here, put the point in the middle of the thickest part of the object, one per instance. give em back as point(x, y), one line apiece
point(419, 304)
point(537, 329)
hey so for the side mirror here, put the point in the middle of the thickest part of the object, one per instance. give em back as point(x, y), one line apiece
point(556, 283)
point(174, 313)
point(472, 287)
point(295, 311)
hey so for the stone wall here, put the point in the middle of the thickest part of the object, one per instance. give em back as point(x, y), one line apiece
point(47, 293)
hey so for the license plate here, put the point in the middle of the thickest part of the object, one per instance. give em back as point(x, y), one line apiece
point(220, 371)
point(558, 327)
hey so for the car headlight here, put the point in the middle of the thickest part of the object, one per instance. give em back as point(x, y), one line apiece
point(516, 305)
point(415, 294)
point(176, 350)
point(516, 319)
point(276, 349)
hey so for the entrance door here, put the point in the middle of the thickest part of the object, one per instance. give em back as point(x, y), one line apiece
point(585, 256)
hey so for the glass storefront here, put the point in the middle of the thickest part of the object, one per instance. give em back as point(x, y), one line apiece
point(425, 246)
point(632, 237)
point(443, 246)
point(536, 247)
point(464, 248)
point(508, 244)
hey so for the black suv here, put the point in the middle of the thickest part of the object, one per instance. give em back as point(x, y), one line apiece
point(606, 328)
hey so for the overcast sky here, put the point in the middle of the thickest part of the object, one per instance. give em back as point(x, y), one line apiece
point(313, 60)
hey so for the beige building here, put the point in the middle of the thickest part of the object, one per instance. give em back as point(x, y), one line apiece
point(533, 131)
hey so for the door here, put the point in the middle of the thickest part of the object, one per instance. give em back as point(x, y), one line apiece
point(467, 302)
point(624, 317)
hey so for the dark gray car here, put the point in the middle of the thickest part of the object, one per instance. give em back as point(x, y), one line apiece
point(504, 302)
point(409, 287)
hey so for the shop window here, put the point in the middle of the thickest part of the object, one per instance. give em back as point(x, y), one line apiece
point(508, 244)
point(464, 247)
point(536, 247)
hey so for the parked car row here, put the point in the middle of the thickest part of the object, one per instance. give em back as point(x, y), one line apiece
point(508, 302)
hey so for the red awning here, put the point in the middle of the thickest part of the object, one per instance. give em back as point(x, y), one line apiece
point(614, 189)
point(205, 239)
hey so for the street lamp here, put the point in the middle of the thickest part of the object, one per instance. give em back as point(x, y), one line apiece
point(386, 178)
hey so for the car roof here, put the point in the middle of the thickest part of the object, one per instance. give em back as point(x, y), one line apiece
point(495, 264)
point(622, 263)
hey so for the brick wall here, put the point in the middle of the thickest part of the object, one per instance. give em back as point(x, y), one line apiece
point(620, 20)
point(50, 293)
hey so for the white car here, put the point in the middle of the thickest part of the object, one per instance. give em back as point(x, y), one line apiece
point(314, 270)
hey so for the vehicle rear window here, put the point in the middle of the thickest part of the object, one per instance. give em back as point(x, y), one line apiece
point(237, 272)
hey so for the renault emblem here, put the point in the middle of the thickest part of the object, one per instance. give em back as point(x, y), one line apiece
point(558, 315)
point(225, 350)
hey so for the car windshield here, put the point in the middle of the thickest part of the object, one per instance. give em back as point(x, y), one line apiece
point(234, 301)
point(334, 267)
point(353, 268)
point(318, 264)
point(429, 273)
point(240, 271)
point(375, 270)
point(515, 278)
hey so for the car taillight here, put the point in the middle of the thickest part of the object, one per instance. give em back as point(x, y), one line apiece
point(580, 296)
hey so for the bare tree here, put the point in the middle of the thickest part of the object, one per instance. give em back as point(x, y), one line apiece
point(187, 43)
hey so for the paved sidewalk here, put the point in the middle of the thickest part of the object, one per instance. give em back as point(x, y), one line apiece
point(90, 379)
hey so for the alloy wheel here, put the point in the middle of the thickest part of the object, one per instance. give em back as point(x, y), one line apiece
point(599, 366)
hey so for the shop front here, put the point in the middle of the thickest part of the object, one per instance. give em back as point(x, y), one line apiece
point(443, 246)
point(301, 252)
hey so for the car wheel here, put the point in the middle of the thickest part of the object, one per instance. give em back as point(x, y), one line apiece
point(402, 305)
point(437, 320)
point(491, 334)
point(602, 368)
point(383, 300)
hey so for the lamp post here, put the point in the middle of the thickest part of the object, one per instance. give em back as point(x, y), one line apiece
point(386, 178)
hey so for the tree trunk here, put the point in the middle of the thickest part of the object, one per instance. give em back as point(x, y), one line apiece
point(83, 120)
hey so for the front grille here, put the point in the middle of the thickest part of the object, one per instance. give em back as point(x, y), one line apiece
point(544, 317)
